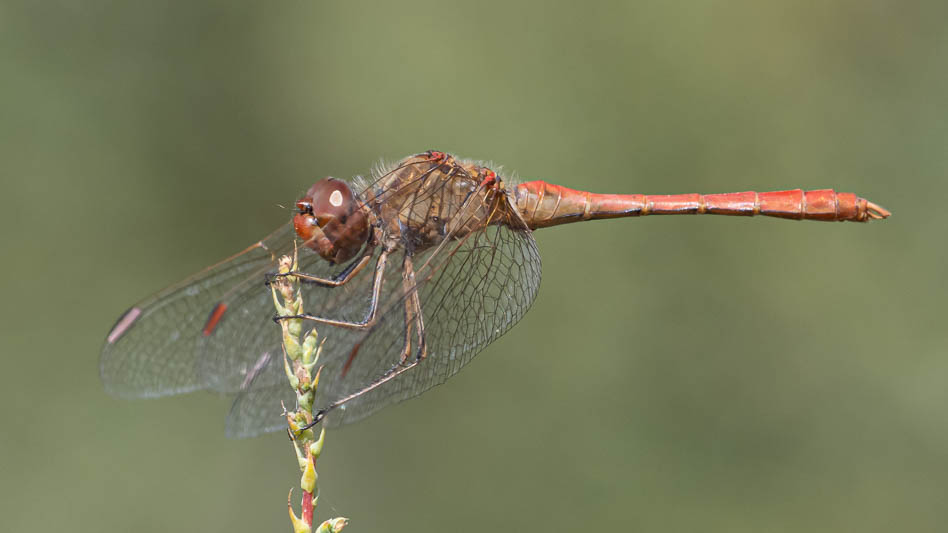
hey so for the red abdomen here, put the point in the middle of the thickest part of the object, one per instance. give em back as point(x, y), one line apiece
point(543, 204)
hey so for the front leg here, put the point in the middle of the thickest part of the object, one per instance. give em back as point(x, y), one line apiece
point(341, 279)
point(413, 321)
point(372, 314)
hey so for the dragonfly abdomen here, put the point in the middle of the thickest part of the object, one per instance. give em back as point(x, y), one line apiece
point(543, 204)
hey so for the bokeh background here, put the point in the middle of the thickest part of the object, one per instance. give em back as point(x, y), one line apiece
point(675, 374)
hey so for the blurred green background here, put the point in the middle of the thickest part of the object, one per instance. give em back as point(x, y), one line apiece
point(675, 374)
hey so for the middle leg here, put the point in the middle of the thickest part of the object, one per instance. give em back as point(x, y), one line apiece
point(413, 323)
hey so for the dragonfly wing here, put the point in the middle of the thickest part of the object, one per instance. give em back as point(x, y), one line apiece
point(244, 357)
point(156, 347)
point(259, 408)
point(262, 385)
point(230, 355)
point(472, 290)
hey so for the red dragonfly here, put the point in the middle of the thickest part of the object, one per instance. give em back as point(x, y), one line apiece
point(453, 266)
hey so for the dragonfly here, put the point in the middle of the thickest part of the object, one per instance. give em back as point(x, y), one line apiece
point(407, 275)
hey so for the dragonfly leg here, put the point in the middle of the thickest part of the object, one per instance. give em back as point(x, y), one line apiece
point(413, 314)
point(370, 316)
point(391, 374)
point(344, 277)
point(413, 321)
point(412, 318)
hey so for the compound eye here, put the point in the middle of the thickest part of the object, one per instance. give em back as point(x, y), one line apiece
point(331, 199)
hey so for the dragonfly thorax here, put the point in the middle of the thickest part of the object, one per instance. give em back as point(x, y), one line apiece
point(432, 197)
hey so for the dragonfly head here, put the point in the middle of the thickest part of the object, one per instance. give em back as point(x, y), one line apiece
point(331, 221)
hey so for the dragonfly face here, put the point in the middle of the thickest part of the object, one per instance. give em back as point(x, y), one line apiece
point(331, 221)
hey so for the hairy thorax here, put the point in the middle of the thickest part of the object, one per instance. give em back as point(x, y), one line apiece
point(428, 198)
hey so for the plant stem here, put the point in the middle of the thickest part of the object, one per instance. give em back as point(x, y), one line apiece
point(300, 358)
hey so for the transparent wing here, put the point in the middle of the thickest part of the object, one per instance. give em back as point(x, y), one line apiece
point(471, 292)
point(259, 407)
point(231, 355)
point(208, 331)
point(154, 348)
point(482, 292)
point(261, 385)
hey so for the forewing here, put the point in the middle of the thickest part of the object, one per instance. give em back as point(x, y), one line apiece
point(247, 331)
point(156, 347)
point(254, 371)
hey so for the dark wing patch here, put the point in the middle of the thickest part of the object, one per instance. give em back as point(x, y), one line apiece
point(216, 314)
